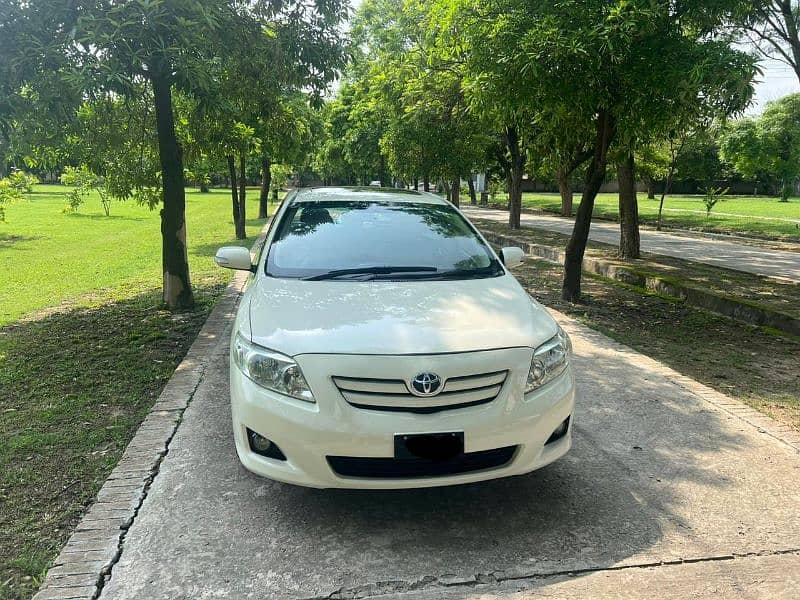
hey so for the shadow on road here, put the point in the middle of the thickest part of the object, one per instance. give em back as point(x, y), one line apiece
point(607, 501)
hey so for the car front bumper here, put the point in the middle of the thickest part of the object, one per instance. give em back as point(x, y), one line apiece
point(309, 433)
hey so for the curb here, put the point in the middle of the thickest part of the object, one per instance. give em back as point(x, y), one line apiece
point(763, 423)
point(85, 562)
point(726, 306)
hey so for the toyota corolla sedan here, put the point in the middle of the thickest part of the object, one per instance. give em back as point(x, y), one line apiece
point(382, 343)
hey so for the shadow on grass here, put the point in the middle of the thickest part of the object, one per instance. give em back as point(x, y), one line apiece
point(7, 240)
point(74, 386)
point(111, 217)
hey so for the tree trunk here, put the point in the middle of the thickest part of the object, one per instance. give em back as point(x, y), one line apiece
point(234, 194)
point(473, 198)
point(416, 184)
point(446, 187)
point(674, 152)
point(204, 188)
point(651, 187)
point(665, 191)
point(382, 167)
point(605, 129)
point(629, 246)
point(241, 230)
point(426, 183)
point(455, 191)
point(266, 180)
point(565, 189)
point(515, 178)
point(177, 291)
point(791, 33)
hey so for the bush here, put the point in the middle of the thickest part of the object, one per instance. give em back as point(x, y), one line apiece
point(494, 187)
point(84, 182)
point(8, 194)
point(713, 195)
point(22, 181)
point(281, 175)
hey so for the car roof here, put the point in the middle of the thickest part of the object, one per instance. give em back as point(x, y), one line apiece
point(366, 194)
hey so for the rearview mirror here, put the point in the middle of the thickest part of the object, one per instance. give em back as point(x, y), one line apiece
point(234, 257)
point(512, 256)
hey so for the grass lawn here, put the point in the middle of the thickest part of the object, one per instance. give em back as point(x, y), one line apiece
point(85, 348)
point(50, 258)
point(761, 217)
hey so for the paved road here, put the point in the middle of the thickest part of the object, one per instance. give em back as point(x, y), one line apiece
point(742, 257)
point(657, 474)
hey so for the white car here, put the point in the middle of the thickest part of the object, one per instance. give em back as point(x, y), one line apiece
point(381, 343)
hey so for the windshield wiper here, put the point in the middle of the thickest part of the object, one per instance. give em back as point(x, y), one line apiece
point(369, 271)
point(481, 272)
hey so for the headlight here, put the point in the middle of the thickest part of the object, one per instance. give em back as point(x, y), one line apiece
point(271, 370)
point(549, 361)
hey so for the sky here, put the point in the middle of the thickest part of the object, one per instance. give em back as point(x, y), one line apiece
point(777, 81)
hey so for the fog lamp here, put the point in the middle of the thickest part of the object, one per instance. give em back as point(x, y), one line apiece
point(559, 432)
point(261, 445)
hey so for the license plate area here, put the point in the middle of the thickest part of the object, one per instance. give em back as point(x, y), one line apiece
point(435, 447)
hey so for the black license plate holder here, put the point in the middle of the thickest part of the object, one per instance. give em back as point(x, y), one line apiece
point(435, 447)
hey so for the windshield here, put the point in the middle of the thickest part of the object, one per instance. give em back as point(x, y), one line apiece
point(377, 240)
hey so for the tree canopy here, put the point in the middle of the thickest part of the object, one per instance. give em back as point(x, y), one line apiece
point(767, 148)
point(152, 93)
point(87, 65)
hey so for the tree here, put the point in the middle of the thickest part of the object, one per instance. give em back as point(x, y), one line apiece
point(38, 91)
point(767, 148)
point(780, 132)
point(774, 29)
point(8, 195)
point(610, 48)
point(83, 182)
point(653, 161)
point(354, 124)
point(242, 141)
point(676, 145)
point(430, 131)
point(287, 135)
point(699, 159)
point(467, 36)
point(169, 47)
point(742, 147)
point(629, 243)
point(112, 139)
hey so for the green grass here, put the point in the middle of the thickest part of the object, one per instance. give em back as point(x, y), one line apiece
point(85, 348)
point(762, 217)
point(50, 258)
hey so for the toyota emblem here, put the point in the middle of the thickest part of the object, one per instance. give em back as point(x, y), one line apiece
point(426, 384)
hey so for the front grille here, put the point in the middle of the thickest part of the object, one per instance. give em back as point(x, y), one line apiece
point(393, 468)
point(393, 394)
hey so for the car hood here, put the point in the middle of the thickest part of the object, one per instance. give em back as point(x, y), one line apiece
point(382, 317)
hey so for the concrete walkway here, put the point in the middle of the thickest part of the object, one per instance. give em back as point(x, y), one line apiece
point(672, 490)
point(729, 254)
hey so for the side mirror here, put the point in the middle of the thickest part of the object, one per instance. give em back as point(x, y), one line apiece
point(512, 256)
point(234, 257)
